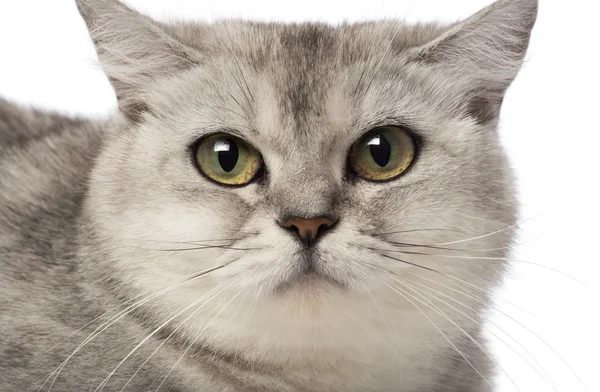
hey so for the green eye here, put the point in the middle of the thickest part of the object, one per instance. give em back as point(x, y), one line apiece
point(228, 159)
point(382, 154)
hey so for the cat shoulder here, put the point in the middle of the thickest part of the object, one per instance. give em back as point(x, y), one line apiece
point(21, 125)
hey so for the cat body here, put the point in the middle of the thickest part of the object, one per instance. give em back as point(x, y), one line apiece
point(125, 267)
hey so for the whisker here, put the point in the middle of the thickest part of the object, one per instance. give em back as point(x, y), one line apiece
point(436, 271)
point(94, 320)
point(450, 277)
point(409, 263)
point(545, 374)
point(215, 292)
point(250, 308)
point(379, 309)
point(454, 230)
point(204, 247)
point(231, 240)
point(464, 293)
point(558, 355)
point(491, 233)
point(93, 381)
point(409, 245)
point(410, 231)
point(246, 292)
point(517, 261)
point(511, 260)
point(440, 331)
point(429, 246)
point(107, 324)
point(469, 336)
point(156, 330)
point(195, 340)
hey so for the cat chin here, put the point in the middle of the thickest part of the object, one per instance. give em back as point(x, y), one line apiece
point(320, 330)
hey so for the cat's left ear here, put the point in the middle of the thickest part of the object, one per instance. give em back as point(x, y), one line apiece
point(134, 51)
point(480, 56)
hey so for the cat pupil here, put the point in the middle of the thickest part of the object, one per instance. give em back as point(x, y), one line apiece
point(228, 154)
point(381, 150)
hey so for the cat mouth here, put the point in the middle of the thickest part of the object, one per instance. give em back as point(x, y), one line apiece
point(310, 279)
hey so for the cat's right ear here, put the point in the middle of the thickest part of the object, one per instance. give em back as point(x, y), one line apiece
point(133, 50)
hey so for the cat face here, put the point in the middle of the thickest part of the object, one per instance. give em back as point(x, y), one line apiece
point(233, 263)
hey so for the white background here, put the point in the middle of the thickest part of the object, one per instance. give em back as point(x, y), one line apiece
point(549, 126)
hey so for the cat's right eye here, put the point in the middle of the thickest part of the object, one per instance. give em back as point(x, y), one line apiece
point(227, 159)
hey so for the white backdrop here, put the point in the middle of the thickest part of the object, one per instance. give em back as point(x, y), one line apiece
point(549, 126)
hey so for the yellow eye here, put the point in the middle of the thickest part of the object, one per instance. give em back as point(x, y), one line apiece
point(382, 154)
point(227, 159)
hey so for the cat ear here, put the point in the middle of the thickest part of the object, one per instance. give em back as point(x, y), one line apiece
point(133, 50)
point(483, 54)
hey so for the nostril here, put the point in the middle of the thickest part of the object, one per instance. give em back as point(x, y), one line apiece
point(323, 228)
point(293, 229)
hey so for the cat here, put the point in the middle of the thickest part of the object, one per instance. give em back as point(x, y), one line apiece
point(274, 207)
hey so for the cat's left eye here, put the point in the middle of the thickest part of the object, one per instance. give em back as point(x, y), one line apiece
point(227, 159)
point(382, 154)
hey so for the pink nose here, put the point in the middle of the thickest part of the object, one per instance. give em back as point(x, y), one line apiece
point(309, 230)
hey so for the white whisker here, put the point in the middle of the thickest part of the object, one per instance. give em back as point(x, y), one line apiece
point(195, 340)
point(440, 331)
point(545, 375)
point(107, 324)
point(489, 234)
point(156, 330)
point(220, 290)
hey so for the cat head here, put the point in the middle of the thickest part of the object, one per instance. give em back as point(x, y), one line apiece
point(281, 184)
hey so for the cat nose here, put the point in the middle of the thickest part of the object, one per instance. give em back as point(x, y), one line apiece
point(309, 230)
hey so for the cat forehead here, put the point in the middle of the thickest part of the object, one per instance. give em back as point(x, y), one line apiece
point(301, 79)
point(265, 43)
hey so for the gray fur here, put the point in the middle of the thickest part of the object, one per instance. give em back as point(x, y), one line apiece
point(94, 214)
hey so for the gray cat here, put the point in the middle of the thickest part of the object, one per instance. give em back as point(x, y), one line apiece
point(276, 207)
